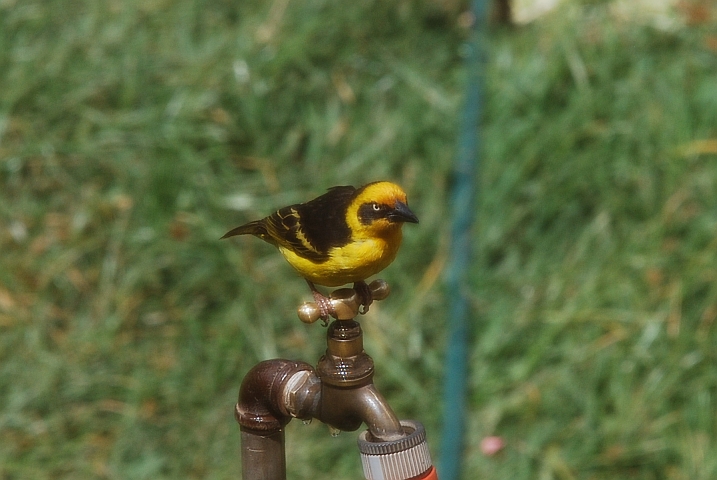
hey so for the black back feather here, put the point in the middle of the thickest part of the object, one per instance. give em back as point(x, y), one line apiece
point(323, 219)
point(309, 229)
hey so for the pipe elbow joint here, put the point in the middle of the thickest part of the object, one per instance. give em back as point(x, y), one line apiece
point(261, 406)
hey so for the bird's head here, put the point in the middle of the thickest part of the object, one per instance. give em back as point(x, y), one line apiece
point(379, 207)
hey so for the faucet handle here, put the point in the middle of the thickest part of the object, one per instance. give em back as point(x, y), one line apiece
point(346, 302)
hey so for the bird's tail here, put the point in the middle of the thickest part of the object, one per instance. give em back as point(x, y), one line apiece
point(256, 228)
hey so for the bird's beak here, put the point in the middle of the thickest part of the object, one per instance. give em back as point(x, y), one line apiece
point(401, 213)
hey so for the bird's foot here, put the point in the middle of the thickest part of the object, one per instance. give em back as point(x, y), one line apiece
point(365, 296)
point(326, 309)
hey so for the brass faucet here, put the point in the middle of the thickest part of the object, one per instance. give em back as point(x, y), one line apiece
point(340, 392)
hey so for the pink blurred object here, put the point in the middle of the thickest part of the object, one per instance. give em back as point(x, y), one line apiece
point(491, 445)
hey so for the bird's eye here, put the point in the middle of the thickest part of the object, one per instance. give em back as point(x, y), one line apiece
point(376, 207)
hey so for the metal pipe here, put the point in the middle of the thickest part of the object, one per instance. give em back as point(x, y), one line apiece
point(263, 455)
point(262, 416)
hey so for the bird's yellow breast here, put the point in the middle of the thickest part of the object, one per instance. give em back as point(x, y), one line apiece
point(353, 262)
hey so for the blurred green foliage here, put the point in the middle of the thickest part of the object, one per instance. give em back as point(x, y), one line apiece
point(134, 134)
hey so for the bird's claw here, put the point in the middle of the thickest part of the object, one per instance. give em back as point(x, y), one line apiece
point(365, 296)
point(326, 309)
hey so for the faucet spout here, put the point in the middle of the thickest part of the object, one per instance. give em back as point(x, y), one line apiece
point(345, 408)
point(373, 409)
point(348, 394)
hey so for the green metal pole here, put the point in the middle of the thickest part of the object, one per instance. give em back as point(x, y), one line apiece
point(465, 184)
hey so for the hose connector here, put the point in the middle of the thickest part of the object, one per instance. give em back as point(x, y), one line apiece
point(402, 459)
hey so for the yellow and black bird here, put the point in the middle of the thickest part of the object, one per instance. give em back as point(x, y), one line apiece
point(344, 236)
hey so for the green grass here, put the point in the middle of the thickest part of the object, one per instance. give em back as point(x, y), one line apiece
point(134, 134)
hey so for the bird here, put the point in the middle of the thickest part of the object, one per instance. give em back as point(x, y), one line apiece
point(343, 236)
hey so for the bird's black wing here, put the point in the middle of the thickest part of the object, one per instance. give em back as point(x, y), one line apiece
point(311, 229)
